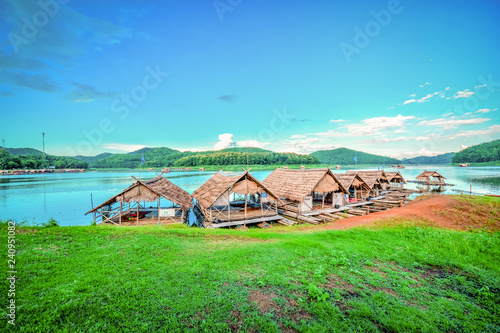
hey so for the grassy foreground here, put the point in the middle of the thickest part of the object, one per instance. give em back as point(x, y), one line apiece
point(176, 279)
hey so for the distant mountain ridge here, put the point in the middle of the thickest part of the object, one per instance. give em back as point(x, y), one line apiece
point(23, 151)
point(439, 159)
point(345, 156)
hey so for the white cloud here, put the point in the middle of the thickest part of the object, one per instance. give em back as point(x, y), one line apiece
point(463, 94)
point(467, 113)
point(425, 84)
point(421, 100)
point(447, 88)
point(447, 114)
point(251, 143)
point(306, 146)
point(370, 126)
point(226, 141)
point(452, 123)
point(122, 147)
point(413, 95)
point(336, 120)
point(297, 136)
point(485, 110)
point(390, 107)
point(466, 134)
point(483, 85)
point(401, 139)
point(464, 147)
point(376, 125)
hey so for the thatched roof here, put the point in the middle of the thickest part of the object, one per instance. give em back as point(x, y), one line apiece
point(348, 180)
point(372, 179)
point(150, 190)
point(395, 177)
point(218, 184)
point(426, 174)
point(297, 184)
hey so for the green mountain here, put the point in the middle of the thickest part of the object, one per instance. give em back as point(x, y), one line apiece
point(344, 156)
point(38, 161)
point(155, 158)
point(23, 151)
point(92, 159)
point(484, 152)
point(224, 157)
point(167, 157)
point(439, 159)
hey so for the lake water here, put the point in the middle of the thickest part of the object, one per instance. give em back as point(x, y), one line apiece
point(66, 197)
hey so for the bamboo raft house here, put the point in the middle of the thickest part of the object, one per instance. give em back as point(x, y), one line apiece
point(395, 179)
point(357, 187)
point(376, 180)
point(306, 190)
point(125, 208)
point(236, 199)
point(431, 177)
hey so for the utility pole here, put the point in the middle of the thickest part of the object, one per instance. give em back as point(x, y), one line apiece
point(3, 143)
point(43, 142)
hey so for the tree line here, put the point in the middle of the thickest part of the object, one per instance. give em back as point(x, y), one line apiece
point(10, 161)
point(237, 158)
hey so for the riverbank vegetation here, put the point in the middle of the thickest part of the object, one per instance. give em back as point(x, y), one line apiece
point(399, 277)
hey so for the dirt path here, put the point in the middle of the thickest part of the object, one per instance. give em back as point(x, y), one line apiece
point(437, 210)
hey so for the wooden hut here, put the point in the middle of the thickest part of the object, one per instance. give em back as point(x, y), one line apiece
point(395, 179)
point(129, 206)
point(235, 199)
point(357, 187)
point(306, 190)
point(431, 177)
point(375, 180)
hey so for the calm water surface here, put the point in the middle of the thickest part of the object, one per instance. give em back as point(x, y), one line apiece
point(66, 197)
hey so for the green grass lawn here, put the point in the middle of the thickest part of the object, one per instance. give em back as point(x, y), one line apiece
point(178, 279)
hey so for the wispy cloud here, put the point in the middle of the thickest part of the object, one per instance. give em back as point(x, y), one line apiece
point(226, 141)
point(337, 120)
point(425, 84)
point(494, 129)
point(463, 94)
point(306, 145)
point(421, 100)
point(228, 98)
point(485, 110)
point(297, 136)
point(40, 82)
point(122, 147)
point(85, 93)
point(452, 123)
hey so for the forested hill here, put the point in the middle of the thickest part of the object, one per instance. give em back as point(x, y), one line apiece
point(23, 151)
point(242, 158)
point(439, 159)
point(166, 157)
point(484, 152)
point(345, 156)
point(38, 161)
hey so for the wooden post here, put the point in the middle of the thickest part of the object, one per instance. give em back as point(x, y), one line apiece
point(261, 208)
point(323, 201)
point(246, 199)
point(229, 205)
point(368, 210)
point(159, 209)
point(470, 191)
point(121, 203)
point(137, 217)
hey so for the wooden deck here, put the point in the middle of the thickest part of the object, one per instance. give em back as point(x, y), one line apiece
point(250, 221)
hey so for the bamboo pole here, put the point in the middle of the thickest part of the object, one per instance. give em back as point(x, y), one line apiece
point(323, 201)
point(121, 203)
point(159, 209)
point(137, 217)
point(246, 199)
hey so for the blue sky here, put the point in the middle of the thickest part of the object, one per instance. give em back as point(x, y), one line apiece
point(398, 78)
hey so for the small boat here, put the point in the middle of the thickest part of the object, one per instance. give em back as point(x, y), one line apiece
point(464, 165)
point(394, 166)
point(337, 167)
point(401, 166)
